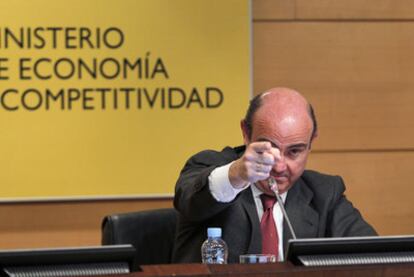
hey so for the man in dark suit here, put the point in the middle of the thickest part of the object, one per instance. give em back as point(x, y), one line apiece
point(226, 189)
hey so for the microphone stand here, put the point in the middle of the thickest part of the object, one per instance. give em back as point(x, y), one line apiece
point(273, 186)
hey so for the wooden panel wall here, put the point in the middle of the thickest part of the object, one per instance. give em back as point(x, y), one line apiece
point(354, 60)
point(57, 224)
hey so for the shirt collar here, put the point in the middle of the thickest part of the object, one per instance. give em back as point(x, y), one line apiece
point(257, 192)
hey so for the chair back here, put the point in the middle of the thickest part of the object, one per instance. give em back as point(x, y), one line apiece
point(151, 232)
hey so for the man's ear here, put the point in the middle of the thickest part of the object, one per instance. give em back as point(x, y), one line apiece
point(245, 132)
point(314, 136)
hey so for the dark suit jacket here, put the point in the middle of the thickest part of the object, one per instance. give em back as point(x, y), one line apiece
point(315, 204)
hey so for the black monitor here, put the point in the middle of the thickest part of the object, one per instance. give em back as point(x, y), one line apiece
point(70, 261)
point(351, 250)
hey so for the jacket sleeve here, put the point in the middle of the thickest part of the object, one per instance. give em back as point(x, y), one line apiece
point(192, 197)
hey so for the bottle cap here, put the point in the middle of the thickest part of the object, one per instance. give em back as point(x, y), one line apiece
point(214, 232)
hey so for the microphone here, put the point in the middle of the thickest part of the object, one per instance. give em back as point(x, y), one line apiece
point(273, 187)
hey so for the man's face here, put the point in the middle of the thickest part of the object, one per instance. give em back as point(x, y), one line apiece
point(292, 137)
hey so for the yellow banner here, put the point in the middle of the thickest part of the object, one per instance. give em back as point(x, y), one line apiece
point(107, 98)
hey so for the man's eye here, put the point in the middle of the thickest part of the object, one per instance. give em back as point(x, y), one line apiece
point(295, 152)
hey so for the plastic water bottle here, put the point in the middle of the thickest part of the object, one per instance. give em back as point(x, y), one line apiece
point(214, 250)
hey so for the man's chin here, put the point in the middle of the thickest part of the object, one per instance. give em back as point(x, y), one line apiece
point(264, 186)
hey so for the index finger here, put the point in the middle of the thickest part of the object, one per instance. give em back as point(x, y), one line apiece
point(276, 153)
point(261, 146)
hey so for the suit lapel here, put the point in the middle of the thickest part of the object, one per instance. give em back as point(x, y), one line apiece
point(303, 217)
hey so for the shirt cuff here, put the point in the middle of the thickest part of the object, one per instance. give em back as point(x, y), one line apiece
point(220, 186)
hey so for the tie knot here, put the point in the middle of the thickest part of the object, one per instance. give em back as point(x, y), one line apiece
point(267, 201)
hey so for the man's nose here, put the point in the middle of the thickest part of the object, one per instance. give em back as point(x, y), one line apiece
point(280, 165)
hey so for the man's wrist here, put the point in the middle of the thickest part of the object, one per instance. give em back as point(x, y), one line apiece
point(235, 179)
point(220, 185)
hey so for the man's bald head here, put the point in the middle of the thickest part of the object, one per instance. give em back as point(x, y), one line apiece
point(281, 104)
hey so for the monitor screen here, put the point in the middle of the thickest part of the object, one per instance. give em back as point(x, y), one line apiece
point(351, 250)
point(70, 261)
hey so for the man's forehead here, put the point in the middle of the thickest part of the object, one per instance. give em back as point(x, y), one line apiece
point(282, 128)
point(276, 144)
point(286, 120)
point(283, 104)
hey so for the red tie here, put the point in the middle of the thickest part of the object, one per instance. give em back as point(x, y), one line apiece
point(270, 240)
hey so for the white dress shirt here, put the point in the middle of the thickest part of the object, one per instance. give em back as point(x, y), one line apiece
point(223, 191)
